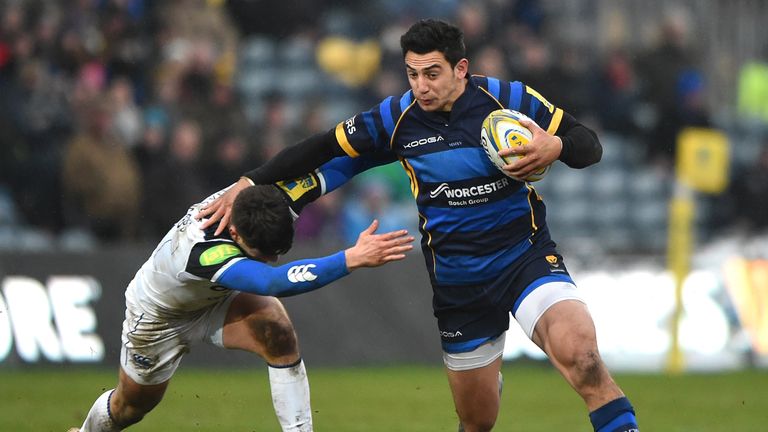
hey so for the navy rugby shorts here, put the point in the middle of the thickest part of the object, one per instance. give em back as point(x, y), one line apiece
point(470, 315)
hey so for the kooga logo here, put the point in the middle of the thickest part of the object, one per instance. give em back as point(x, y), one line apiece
point(472, 191)
point(420, 142)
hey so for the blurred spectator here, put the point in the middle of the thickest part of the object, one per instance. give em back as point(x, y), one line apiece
point(231, 159)
point(372, 199)
point(570, 81)
point(37, 105)
point(176, 182)
point(101, 179)
point(661, 70)
point(489, 61)
point(534, 68)
point(750, 194)
point(273, 133)
point(752, 93)
point(224, 115)
point(127, 122)
point(284, 18)
point(616, 93)
point(472, 18)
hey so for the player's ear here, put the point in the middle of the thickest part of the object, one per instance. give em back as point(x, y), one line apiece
point(461, 68)
point(233, 232)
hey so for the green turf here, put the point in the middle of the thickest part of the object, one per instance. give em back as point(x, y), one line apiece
point(387, 399)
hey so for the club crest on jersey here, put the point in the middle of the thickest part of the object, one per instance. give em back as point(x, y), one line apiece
point(298, 187)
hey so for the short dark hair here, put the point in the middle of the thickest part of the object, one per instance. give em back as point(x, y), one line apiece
point(429, 35)
point(263, 219)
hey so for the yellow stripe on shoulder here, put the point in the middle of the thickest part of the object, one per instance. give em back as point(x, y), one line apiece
point(341, 137)
point(541, 99)
point(557, 117)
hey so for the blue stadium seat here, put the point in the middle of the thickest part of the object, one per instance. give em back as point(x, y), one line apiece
point(257, 52)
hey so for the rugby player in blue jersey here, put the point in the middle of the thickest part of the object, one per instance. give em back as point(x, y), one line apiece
point(201, 287)
point(484, 234)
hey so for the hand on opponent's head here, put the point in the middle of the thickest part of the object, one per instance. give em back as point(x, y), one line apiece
point(220, 209)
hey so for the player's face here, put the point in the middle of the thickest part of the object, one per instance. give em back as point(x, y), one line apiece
point(435, 84)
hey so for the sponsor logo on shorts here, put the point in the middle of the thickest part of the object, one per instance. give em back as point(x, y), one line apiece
point(448, 334)
point(142, 362)
point(301, 273)
point(554, 264)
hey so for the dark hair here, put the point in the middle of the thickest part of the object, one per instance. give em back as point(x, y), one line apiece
point(263, 219)
point(429, 35)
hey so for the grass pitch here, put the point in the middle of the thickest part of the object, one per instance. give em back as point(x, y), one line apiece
point(401, 398)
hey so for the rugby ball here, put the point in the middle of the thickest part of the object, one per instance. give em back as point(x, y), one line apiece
point(502, 129)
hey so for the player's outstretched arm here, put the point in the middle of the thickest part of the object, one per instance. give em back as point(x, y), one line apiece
point(300, 276)
point(334, 174)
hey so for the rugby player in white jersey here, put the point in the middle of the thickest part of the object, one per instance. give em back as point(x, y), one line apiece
point(199, 287)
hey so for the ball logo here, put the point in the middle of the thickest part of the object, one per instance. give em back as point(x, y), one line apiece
point(301, 273)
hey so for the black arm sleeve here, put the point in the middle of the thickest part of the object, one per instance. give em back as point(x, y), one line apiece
point(297, 160)
point(581, 147)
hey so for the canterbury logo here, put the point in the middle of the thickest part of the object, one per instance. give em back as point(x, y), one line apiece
point(301, 273)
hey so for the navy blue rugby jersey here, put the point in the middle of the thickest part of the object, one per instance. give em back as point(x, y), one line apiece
point(474, 220)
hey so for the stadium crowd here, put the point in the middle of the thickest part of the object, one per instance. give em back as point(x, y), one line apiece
point(116, 114)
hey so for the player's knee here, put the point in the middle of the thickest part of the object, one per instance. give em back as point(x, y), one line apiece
point(276, 336)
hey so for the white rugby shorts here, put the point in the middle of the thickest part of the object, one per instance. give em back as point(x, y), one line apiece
point(153, 346)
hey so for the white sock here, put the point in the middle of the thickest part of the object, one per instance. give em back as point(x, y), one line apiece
point(99, 419)
point(290, 397)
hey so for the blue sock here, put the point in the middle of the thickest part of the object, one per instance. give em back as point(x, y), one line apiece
point(615, 416)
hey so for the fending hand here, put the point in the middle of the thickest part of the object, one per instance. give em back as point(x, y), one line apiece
point(373, 250)
point(220, 209)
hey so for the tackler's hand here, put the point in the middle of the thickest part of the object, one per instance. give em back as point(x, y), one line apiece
point(220, 209)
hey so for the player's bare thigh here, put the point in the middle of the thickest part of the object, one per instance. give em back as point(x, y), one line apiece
point(261, 325)
point(564, 327)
